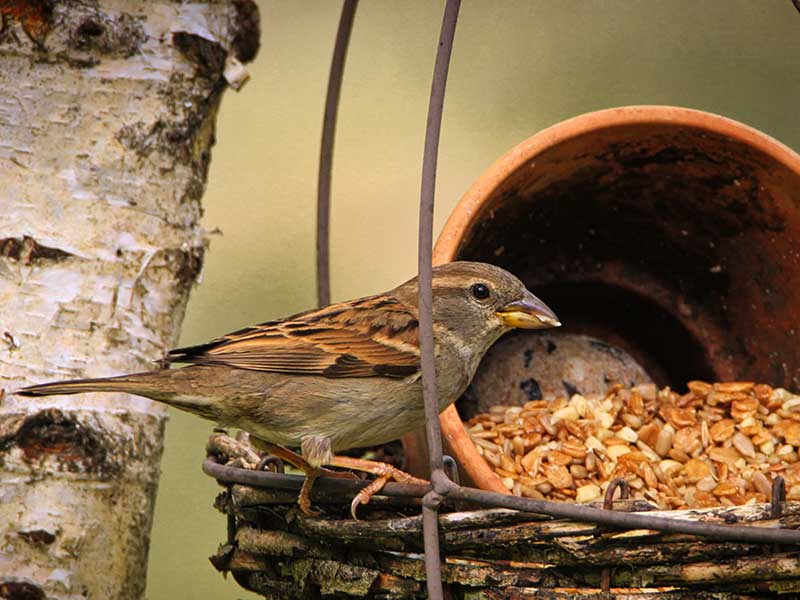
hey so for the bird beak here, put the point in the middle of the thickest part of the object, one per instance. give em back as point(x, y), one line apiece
point(528, 313)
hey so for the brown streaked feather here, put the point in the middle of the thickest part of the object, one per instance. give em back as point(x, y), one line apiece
point(370, 337)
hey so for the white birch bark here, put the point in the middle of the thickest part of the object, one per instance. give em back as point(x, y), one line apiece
point(107, 113)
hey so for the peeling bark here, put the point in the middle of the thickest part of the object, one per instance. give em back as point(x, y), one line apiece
point(107, 113)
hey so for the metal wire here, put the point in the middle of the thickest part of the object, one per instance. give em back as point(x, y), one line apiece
point(433, 566)
point(326, 151)
point(341, 489)
point(269, 460)
point(796, 4)
point(778, 497)
point(427, 190)
point(330, 486)
point(620, 484)
point(588, 514)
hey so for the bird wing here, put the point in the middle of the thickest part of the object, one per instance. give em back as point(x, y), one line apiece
point(369, 337)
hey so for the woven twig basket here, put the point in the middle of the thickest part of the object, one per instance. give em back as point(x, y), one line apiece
point(277, 552)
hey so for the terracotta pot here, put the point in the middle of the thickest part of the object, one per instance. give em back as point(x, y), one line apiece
point(672, 233)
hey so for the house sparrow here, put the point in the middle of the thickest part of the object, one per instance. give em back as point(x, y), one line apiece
point(339, 377)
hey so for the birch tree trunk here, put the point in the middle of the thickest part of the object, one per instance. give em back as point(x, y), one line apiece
point(107, 113)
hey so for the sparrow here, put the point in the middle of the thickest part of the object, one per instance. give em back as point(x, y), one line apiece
point(344, 376)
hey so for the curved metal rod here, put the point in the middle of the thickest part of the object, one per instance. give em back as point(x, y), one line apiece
point(433, 566)
point(624, 489)
point(563, 510)
point(293, 483)
point(588, 514)
point(425, 249)
point(778, 497)
point(326, 151)
point(451, 468)
point(621, 484)
point(269, 460)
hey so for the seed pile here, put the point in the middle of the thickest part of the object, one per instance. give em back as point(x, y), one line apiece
point(718, 444)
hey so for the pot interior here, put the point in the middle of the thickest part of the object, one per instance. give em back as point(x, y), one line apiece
point(676, 243)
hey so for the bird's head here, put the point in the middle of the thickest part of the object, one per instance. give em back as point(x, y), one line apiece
point(479, 302)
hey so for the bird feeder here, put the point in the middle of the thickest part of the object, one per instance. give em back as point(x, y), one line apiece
point(665, 239)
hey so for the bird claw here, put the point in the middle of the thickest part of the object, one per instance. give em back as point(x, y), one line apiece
point(355, 504)
point(366, 494)
point(305, 506)
point(383, 473)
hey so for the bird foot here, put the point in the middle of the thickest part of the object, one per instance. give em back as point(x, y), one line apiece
point(304, 499)
point(300, 463)
point(383, 473)
point(241, 452)
point(312, 474)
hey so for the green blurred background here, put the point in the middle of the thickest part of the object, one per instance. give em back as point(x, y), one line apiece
point(517, 67)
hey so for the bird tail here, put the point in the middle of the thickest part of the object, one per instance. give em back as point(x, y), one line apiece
point(141, 384)
point(176, 387)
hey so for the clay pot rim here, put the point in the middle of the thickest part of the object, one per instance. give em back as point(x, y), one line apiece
point(474, 201)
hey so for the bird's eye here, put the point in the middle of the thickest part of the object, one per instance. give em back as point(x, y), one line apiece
point(480, 291)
